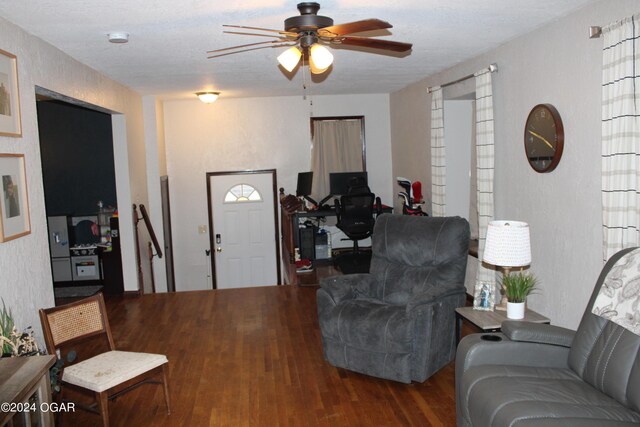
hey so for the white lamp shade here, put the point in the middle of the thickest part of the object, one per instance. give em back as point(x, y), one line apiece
point(208, 97)
point(290, 58)
point(320, 59)
point(508, 244)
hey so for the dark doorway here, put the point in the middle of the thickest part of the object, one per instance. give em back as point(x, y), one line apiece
point(76, 145)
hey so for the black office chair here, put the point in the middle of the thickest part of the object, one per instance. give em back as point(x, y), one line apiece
point(356, 214)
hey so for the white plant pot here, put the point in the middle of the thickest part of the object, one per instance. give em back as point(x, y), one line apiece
point(515, 310)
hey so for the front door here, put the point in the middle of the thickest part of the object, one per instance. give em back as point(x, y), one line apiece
point(243, 232)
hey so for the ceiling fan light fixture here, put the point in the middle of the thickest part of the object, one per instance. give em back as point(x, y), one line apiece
point(208, 97)
point(320, 59)
point(316, 70)
point(290, 58)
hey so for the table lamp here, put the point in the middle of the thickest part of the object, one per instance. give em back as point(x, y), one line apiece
point(507, 246)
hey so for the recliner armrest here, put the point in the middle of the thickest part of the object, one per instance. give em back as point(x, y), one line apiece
point(434, 293)
point(473, 350)
point(537, 333)
point(346, 287)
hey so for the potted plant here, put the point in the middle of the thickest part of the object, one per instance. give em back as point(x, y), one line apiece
point(12, 342)
point(516, 288)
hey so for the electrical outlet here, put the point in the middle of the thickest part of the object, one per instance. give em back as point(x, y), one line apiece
point(202, 229)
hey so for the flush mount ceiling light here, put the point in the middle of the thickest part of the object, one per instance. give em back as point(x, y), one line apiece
point(208, 97)
point(308, 33)
point(118, 38)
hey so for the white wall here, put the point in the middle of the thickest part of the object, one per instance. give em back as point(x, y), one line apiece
point(156, 166)
point(557, 64)
point(25, 271)
point(253, 133)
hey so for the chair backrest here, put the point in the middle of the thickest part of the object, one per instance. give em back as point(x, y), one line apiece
point(605, 354)
point(73, 323)
point(358, 185)
point(355, 215)
point(411, 253)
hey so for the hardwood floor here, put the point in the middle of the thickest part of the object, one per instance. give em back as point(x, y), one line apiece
point(253, 357)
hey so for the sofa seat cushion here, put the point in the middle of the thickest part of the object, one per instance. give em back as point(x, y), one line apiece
point(366, 324)
point(109, 369)
point(497, 395)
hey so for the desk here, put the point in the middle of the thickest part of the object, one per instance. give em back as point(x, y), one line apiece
point(20, 379)
point(300, 216)
point(491, 321)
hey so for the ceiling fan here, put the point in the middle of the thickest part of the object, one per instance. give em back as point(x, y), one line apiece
point(307, 34)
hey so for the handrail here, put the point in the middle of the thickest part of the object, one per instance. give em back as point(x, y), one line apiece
point(152, 234)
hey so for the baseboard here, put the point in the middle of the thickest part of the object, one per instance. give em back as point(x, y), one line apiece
point(131, 294)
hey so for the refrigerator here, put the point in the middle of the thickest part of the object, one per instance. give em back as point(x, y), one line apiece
point(59, 247)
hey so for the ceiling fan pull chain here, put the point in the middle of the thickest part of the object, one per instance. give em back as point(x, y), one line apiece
point(306, 86)
point(304, 79)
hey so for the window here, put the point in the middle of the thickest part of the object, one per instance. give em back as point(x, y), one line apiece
point(338, 146)
point(242, 193)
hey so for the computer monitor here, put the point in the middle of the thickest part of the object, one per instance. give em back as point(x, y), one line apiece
point(303, 189)
point(340, 182)
point(305, 180)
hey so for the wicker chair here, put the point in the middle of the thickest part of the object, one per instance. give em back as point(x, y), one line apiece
point(105, 375)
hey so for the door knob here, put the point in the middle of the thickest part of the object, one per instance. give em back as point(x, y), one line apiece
point(218, 249)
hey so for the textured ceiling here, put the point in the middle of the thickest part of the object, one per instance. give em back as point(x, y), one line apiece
point(166, 53)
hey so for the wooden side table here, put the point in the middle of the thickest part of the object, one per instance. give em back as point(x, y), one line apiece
point(491, 321)
point(20, 379)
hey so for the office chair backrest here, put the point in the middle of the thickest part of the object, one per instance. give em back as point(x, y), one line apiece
point(355, 215)
point(358, 186)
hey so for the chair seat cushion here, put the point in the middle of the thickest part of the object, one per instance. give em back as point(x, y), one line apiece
point(109, 369)
point(367, 324)
point(498, 395)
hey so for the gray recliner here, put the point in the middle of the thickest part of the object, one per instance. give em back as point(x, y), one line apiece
point(398, 321)
point(542, 375)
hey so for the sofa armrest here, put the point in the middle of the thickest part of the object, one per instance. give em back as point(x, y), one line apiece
point(473, 350)
point(340, 288)
point(537, 333)
point(435, 293)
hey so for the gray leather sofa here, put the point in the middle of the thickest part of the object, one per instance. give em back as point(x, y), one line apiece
point(542, 375)
point(398, 321)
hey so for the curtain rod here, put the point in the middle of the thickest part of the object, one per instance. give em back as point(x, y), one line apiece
point(595, 32)
point(492, 68)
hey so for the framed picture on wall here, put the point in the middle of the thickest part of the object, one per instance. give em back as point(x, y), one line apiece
point(10, 124)
point(14, 203)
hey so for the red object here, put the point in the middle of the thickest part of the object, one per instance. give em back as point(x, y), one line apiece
point(303, 263)
point(416, 188)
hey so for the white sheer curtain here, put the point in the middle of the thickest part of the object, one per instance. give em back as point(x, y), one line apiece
point(620, 136)
point(484, 165)
point(438, 163)
point(337, 147)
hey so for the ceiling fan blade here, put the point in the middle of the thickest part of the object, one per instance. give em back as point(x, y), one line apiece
point(288, 33)
point(374, 43)
point(281, 37)
point(353, 27)
point(247, 50)
point(245, 45)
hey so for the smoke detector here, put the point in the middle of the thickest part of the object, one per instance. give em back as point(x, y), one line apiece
point(118, 37)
